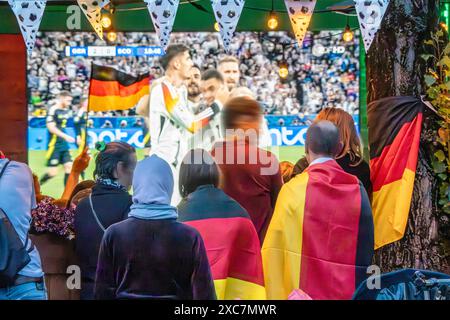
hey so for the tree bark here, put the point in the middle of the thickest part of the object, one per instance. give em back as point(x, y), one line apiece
point(394, 68)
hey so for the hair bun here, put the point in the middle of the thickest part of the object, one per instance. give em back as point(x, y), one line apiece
point(100, 146)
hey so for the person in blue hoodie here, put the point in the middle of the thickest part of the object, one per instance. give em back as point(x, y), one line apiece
point(150, 255)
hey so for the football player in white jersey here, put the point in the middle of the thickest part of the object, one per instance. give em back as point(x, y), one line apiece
point(171, 120)
point(229, 68)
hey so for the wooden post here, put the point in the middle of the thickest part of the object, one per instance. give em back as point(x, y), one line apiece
point(13, 93)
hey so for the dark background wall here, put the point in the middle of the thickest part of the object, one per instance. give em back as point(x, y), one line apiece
point(13, 99)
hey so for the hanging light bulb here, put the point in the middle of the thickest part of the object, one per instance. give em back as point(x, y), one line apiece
point(348, 34)
point(283, 70)
point(216, 26)
point(272, 22)
point(106, 21)
point(111, 36)
point(443, 25)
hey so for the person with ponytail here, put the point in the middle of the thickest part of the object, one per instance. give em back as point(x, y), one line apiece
point(350, 157)
point(108, 203)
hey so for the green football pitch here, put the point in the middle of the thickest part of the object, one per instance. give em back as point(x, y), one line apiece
point(54, 187)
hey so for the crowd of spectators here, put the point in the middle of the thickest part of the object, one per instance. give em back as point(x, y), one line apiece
point(322, 73)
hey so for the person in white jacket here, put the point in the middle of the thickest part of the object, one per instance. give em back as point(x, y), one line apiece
point(171, 120)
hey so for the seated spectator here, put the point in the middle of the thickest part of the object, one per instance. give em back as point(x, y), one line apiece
point(138, 123)
point(230, 238)
point(322, 228)
point(251, 175)
point(16, 201)
point(150, 255)
point(108, 203)
point(123, 123)
point(107, 125)
point(350, 157)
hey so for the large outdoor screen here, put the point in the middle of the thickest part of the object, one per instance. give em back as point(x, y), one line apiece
point(323, 72)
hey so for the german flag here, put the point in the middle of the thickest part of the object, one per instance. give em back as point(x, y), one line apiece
point(394, 134)
point(111, 89)
point(231, 243)
point(320, 239)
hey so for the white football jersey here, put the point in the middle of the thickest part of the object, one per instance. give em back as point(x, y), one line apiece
point(170, 121)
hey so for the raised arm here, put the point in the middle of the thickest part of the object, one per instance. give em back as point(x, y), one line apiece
point(79, 165)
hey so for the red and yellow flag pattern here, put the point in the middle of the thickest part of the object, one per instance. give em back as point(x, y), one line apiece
point(111, 89)
point(320, 239)
point(394, 134)
point(231, 243)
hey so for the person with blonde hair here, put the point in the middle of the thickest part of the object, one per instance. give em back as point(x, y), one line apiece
point(350, 157)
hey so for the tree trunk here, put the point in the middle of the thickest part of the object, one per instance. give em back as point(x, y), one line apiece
point(394, 68)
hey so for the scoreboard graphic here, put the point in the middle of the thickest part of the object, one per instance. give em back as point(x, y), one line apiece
point(114, 51)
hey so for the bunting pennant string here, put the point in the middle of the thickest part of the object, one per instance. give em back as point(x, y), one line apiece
point(227, 13)
point(92, 9)
point(370, 15)
point(29, 15)
point(300, 13)
point(163, 14)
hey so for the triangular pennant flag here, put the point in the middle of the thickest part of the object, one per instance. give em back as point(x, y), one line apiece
point(300, 13)
point(29, 15)
point(227, 14)
point(163, 14)
point(370, 14)
point(92, 9)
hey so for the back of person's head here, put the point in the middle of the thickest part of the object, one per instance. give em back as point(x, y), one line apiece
point(197, 169)
point(347, 132)
point(286, 169)
point(212, 74)
point(241, 113)
point(242, 92)
point(228, 59)
point(172, 52)
point(80, 189)
point(110, 156)
point(322, 139)
point(64, 94)
point(153, 182)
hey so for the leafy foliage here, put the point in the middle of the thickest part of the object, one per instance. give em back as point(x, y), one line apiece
point(437, 80)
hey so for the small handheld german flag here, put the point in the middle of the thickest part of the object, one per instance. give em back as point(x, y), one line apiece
point(111, 89)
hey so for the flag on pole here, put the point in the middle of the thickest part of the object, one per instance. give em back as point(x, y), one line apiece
point(111, 89)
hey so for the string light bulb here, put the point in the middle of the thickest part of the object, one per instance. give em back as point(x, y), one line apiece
point(272, 22)
point(348, 34)
point(111, 36)
point(216, 26)
point(443, 25)
point(283, 70)
point(106, 21)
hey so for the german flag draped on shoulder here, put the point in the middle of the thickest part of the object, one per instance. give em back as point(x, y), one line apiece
point(111, 89)
point(231, 242)
point(320, 239)
point(394, 134)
